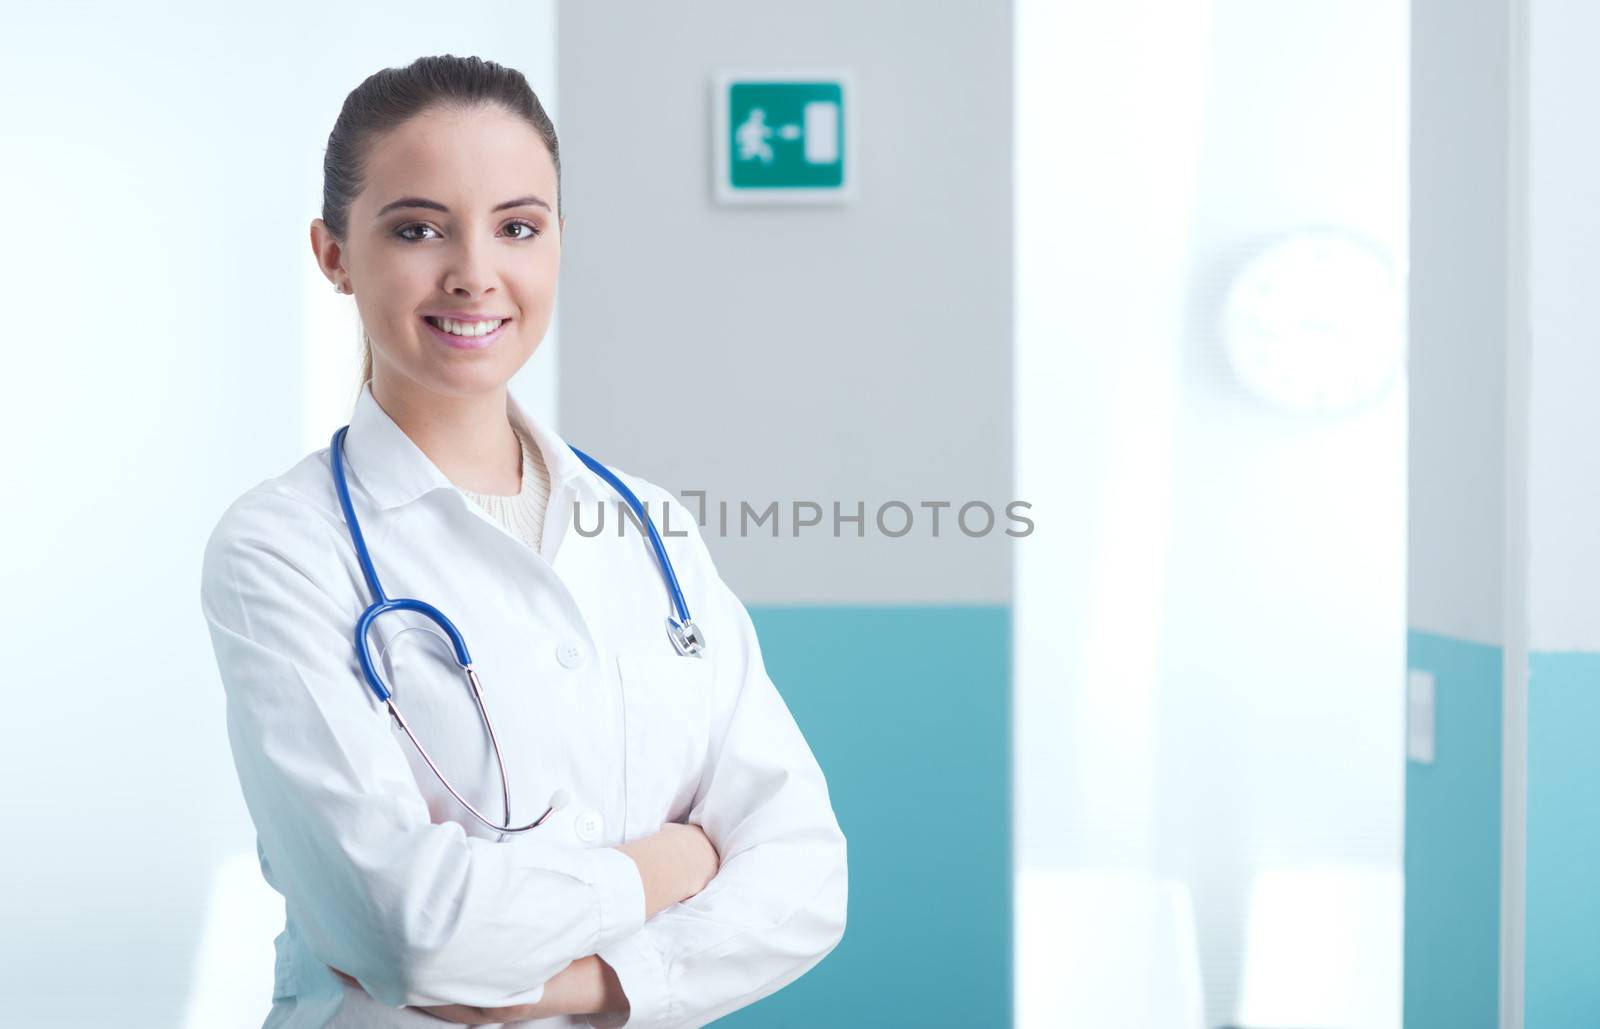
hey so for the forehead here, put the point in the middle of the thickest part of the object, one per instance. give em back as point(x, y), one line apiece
point(476, 157)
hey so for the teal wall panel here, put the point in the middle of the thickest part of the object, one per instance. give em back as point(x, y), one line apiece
point(1563, 856)
point(908, 710)
point(1452, 846)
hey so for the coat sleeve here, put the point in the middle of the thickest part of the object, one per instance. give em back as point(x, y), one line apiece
point(420, 913)
point(777, 904)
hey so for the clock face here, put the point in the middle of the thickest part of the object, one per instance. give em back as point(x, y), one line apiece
point(1316, 323)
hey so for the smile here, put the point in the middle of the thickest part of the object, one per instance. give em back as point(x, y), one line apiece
point(466, 335)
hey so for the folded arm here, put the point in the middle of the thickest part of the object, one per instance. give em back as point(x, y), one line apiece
point(586, 986)
point(675, 864)
point(418, 912)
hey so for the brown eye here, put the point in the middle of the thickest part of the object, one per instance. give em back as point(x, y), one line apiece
point(533, 230)
point(401, 232)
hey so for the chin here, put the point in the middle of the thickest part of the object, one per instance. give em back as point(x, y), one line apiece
point(466, 378)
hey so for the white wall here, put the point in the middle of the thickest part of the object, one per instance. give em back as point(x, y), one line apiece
point(1564, 419)
point(163, 171)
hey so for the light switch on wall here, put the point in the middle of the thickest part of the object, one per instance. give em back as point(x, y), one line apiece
point(1419, 716)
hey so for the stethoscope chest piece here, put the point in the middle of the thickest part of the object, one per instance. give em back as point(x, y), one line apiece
point(686, 636)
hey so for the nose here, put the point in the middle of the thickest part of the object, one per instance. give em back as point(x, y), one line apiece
point(469, 273)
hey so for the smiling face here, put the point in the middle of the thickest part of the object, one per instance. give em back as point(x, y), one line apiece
point(455, 223)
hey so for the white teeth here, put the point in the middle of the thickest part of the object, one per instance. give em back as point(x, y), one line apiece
point(467, 328)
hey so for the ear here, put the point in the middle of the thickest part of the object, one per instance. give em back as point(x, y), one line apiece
point(327, 251)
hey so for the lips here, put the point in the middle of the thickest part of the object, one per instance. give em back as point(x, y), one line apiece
point(466, 342)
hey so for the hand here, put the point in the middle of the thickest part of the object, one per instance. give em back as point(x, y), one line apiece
point(463, 1014)
point(586, 986)
point(701, 858)
point(675, 864)
point(466, 1014)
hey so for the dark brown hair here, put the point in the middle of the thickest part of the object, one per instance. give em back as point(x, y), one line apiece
point(388, 98)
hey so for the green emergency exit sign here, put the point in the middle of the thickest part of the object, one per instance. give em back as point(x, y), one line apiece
point(783, 138)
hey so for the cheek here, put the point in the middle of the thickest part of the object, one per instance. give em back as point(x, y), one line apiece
point(544, 271)
point(394, 293)
point(535, 284)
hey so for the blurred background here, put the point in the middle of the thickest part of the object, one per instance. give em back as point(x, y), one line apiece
point(1211, 220)
point(1277, 716)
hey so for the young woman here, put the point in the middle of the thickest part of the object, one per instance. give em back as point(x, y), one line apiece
point(630, 830)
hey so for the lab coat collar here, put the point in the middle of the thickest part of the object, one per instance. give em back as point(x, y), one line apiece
point(395, 471)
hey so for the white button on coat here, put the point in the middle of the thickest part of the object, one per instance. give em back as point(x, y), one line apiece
point(589, 825)
point(386, 877)
point(568, 653)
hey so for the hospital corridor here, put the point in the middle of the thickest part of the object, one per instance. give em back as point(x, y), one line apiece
point(1032, 513)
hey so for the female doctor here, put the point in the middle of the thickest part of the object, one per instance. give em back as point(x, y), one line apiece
point(630, 829)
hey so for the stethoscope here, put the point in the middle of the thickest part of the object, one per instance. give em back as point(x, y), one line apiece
point(685, 635)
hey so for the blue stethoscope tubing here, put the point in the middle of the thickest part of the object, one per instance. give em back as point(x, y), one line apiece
point(685, 635)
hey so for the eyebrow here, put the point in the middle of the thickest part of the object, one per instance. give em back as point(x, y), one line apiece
point(434, 205)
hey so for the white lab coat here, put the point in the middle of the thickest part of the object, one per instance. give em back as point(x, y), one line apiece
point(384, 876)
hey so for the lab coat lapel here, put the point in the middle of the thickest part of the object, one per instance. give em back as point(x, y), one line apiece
point(395, 473)
point(390, 467)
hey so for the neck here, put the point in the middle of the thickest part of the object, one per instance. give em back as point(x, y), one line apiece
point(468, 438)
